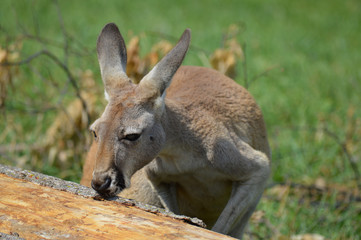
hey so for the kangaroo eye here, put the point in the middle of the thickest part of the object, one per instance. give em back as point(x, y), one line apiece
point(94, 134)
point(132, 137)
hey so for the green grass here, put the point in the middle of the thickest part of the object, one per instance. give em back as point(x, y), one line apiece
point(312, 47)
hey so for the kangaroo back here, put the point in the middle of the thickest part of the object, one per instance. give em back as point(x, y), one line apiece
point(200, 89)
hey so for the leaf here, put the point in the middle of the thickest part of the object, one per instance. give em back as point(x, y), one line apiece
point(308, 236)
point(258, 217)
point(6, 72)
point(138, 67)
point(225, 59)
point(320, 183)
point(66, 136)
point(135, 70)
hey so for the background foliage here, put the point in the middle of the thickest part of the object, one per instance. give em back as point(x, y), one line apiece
point(300, 60)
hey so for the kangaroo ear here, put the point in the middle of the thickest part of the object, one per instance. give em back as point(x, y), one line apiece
point(112, 57)
point(159, 78)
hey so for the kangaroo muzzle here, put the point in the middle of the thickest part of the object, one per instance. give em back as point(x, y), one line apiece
point(108, 184)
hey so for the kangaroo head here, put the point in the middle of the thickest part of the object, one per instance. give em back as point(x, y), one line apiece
point(129, 134)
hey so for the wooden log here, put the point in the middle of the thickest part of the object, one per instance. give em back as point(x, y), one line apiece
point(35, 206)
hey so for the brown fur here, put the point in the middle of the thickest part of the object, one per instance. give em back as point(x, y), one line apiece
point(201, 151)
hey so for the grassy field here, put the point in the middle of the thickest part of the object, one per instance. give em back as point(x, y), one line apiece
point(302, 64)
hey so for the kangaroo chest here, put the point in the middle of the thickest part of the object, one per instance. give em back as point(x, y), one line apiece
point(202, 196)
point(201, 190)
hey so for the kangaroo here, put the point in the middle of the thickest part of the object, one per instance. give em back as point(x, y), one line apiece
point(186, 138)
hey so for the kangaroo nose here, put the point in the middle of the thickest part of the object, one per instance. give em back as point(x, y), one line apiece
point(101, 186)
